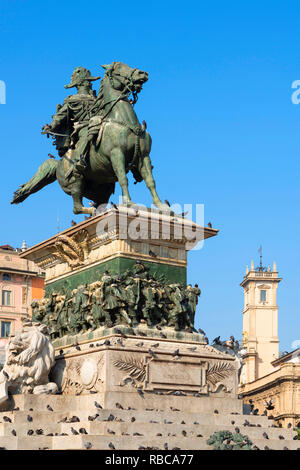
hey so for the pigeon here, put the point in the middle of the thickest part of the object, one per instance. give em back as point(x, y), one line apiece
point(155, 345)
point(165, 446)
point(152, 353)
point(133, 419)
point(217, 341)
point(14, 432)
point(209, 224)
point(92, 418)
point(159, 434)
point(174, 409)
point(119, 332)
point(73, 431)
point(111, 446)
point(5, 374)
point(176, 353)
point(7, 419)
point(216, 412)
point(183, 433)
point(110, 418)
point(74, 419)
point(91, 345)
point(82, 431)
point(118, 405)
point(265, 435)
point(110, 431)
point(30, 432)
point(162, 335)
point(87, 445)
point(167, 202)
point(114, 206)
point(140, 392)
point(237, 430)
point(64, 420)
point(151, 253)
point(49, 408)
point(97, 405)
point(39, 432)
point(29, 418)
point(73, 223)
point(281, 437)
point(139, 345)
point(78, 348)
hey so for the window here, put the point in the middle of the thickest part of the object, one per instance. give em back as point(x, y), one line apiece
point(5, 329)
point(6, 297)
point(263, 295)
point(6, 277)
point(24, 295)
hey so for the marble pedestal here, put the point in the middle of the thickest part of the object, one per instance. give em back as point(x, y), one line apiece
point(142, 370)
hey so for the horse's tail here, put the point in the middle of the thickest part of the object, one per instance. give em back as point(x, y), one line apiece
point(46, 174)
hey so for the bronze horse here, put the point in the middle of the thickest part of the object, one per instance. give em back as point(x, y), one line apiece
point(117, 144)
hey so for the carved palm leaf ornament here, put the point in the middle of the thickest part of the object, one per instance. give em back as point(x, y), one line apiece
point(135, 368)
point(218, 372)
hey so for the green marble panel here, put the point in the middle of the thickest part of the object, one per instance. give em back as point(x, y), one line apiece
point(116, 265)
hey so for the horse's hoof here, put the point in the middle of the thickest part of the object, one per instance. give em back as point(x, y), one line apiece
point(163, 207)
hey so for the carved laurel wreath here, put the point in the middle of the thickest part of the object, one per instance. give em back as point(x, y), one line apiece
point(72, 249)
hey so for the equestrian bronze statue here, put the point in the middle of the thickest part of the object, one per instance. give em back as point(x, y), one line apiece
point(99, 139)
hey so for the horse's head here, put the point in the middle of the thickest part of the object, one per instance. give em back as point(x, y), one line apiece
point(125, 78)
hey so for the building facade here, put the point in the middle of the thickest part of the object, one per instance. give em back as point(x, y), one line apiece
point(260, 322)
point(21, 281)
point(269, 382)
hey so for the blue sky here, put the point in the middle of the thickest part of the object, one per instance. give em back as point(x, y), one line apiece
point(218, 107)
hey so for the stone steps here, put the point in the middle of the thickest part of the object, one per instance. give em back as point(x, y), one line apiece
point(185, 430)
point(124, 443)
point(140, 416)
point(115, 428)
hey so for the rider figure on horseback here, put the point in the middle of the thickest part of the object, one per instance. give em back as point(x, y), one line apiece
point(70, 123)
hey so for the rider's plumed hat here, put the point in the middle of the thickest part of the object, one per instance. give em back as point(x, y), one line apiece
point(79, 76)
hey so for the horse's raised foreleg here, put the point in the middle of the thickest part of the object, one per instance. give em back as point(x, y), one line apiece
point(146, 172)
point(118, 164)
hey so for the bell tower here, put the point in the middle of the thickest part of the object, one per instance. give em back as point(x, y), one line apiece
point(260, 342)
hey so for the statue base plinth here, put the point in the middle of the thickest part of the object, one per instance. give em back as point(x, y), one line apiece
point(147, 371)
point(113, 241)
